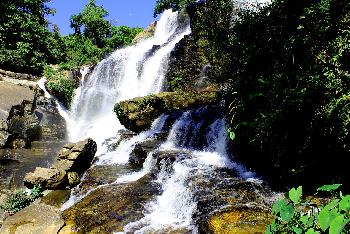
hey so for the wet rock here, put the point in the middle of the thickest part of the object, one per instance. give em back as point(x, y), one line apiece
point(240, 220)
point(168, 157)
point(138, 114)
point(71, 162)
point(101, 174)
point(56, 198)
point(109, 208)
point(230, 204)
point(49, 178)
point(113, 142)
point(22, 125)
point(141, 150)
point(36, 218)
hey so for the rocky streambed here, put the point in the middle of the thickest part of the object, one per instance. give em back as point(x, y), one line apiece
point(128, 197)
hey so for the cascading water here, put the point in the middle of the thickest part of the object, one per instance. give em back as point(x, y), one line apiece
point(127, 73)
point(175, 207)
point(197, 138)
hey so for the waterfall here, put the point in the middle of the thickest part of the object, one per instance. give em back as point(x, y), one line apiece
point(197, 137)
point(175, 207)
point(130, 72)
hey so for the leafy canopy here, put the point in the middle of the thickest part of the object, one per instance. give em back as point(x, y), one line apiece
point(92, 23)
point(26, 43)
point(162, 5)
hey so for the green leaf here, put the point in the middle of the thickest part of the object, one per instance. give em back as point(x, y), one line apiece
point(287, 213)
point(284, 209)
point(297, 230)
point(312, 231)
point(232, 136)
point(295, 194)
point(271, 228)
point(307, 221)
point(344, 204)
point(338, 224)
point(329, 188)
point(327, 214)
point(277, 206)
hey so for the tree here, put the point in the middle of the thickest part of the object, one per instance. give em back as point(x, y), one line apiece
point(122, 35)
point(92, 23)
point(24, 36)
point(162, 5)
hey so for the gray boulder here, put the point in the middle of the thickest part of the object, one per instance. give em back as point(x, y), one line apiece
point(71, 162)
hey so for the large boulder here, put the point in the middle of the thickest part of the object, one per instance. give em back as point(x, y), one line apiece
point(71, 162)
point(18, 125)
point(139, 113)
point(36, 218)
point(109, 208)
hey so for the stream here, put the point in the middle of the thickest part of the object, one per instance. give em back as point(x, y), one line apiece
point(185, 175)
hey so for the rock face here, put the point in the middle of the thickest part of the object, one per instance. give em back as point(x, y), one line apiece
point(109, 208)
point(18, 126)
point(27, 116)
point(72, 161)
point(148, 32)
point(20, 76)
point(201, 55)
point(36, 218)
point(138, 114)
point(22, 125)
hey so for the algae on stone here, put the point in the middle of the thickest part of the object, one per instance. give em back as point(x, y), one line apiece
point(139, 113)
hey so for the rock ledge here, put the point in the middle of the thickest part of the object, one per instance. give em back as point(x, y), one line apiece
point(71, 162)
point(139, 113)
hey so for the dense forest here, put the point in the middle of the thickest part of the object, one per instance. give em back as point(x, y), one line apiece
point(283, 70)
point(29, 42)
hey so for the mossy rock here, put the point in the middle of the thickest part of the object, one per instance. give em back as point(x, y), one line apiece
point(240, 220)
point(139, 113)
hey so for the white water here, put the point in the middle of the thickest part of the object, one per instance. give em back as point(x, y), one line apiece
point(126, 74)
point(131, 72)
point(174, 208)
point(61, 109)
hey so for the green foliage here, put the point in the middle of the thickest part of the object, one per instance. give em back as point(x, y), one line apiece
point(21, 199)
point(122, 36)
point(94, 36)
point(176, 83)
point(289, 70)
point(58, 85)
point(162, 5)
point(80, 50)
point(293, 215)
point(26, 44)
point(91, 22)
point(231, 134)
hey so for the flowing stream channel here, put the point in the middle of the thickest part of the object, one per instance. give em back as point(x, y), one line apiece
point(189, 158)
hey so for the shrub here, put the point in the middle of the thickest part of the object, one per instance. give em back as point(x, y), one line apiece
point(59, 86)
point(21, 199)
point(176, 5)
point(293, 214)
point(289, 91)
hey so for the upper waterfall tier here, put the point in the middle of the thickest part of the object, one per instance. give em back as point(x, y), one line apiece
point(129, 72)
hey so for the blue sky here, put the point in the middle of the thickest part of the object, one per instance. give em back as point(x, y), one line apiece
point(121, 12)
